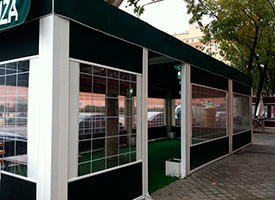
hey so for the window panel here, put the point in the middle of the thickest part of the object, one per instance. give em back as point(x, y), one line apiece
point(112, 161)
point(84, 168)
point(156, 112)
point(133, 141)
point(98, 71)
point(97, 165)
point(241, 113)
point(209, 115)
point(133, 157)
point(113, 74)
point(99, 85)
point(124, 88)
point(14, 79)
point(124, 159)
point(112, 89)
point(124, 146)
point(107, 107)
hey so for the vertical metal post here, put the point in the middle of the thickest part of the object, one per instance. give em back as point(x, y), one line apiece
point(145, 122)
point(73, 119)
point(139, 118)
point(186, 119)
point(230, 115)
point(49, 110)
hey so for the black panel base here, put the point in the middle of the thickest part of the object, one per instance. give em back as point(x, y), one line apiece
point(241, 140)
point(204, 153)
point(12, 188)
point(122, 184)
point(157, 132)
point(177, 129)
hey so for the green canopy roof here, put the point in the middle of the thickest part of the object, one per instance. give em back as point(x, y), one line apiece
point(103, 17)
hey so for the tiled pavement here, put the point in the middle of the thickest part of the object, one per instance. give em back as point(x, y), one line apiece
point(245, 175)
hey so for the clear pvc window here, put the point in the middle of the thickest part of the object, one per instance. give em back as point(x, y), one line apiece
point(14, 80)
point(107, 119)
point(209, 113)
point(241, 113)
point(156, 112)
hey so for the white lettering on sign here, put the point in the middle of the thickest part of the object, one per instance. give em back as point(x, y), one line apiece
point(10, 7)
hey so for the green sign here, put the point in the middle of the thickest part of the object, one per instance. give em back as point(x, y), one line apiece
point(13, 12)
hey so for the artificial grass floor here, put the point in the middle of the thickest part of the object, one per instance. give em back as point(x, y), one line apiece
point(158, 153)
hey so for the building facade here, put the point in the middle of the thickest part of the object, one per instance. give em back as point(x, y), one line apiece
point(269, 108)
point(193, 38)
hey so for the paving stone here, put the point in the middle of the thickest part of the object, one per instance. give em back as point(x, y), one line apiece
point(248, 174)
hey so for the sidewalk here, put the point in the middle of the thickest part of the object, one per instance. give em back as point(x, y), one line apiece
point(247, 174)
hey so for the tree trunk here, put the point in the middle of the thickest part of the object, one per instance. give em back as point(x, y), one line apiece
point(252, 52)
point(260, 87)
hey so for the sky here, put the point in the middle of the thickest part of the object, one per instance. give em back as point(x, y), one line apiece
point(169, 16)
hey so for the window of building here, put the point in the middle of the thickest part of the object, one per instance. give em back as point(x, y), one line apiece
point(209, 115)
point(156, 112)
point(241, 113)
point(107, 119)
point(270, 112)
point(14, 80)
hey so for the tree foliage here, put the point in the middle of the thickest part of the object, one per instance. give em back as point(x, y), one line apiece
point(138, 9)
point(244, 30)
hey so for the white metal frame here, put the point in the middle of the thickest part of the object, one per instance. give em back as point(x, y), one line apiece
point(31, 59)
point(49, 110)
point(74, 113)
point(186, 119)
point(103, 171)
point(144, 130)
point(73, 118)
point(19, 177)
point(103, 66)
point(230, 115)
point(227, 113)
point(18, 59)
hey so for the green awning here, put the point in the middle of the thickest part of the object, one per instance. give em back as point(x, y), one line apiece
point(100, 15)
point(105, 18)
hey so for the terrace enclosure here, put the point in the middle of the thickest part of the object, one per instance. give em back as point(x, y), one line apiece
point(85, 86)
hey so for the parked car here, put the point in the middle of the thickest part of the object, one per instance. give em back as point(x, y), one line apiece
point(93, 123)
point(197, 115)
point(155, 119)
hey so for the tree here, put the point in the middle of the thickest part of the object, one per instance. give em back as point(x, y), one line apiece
point(244, 30)
point(139, 9)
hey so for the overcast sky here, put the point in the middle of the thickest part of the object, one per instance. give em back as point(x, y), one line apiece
point(169, 16)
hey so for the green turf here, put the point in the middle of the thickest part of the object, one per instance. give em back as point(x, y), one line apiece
point(158, 153)
point(128, 155)
point(17, 169)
